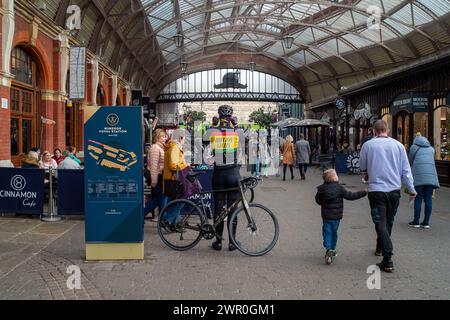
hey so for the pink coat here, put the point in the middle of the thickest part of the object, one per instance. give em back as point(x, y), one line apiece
point(155, 160)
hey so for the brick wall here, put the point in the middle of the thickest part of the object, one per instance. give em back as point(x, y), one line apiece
point(5, 137)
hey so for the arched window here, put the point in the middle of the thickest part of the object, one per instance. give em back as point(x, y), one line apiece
point(24, 96)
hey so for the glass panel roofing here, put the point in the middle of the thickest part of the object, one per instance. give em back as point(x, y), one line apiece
point(320, 28)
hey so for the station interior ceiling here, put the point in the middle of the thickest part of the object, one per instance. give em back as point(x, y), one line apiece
point(319, 46)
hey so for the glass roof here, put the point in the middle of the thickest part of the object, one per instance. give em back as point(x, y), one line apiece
point(321, 29)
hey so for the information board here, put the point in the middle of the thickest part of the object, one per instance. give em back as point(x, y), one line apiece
point(113, 181)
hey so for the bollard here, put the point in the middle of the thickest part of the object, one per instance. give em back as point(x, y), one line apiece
point(50, 217)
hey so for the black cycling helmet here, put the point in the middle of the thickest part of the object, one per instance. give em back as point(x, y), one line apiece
point(225, 110)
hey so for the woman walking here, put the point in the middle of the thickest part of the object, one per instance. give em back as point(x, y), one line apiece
point(421, 157)
point(288, 152)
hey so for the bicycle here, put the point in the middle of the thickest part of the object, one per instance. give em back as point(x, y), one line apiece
point(257, 228)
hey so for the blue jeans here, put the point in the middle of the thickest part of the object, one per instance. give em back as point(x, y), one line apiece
point(330, 233)
point(171, 216)
point(158, 198)
point(424, 193)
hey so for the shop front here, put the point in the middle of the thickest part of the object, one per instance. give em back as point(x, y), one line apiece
point(441, 127)
point(410, 116)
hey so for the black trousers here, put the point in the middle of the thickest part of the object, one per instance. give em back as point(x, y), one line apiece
point(290, 168)
point(225, 179)
point(303, 167)
point(383, 208)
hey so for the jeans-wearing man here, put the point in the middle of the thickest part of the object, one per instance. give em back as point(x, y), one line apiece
point(387, 166)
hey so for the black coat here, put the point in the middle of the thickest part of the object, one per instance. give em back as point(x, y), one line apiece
point(330, 196)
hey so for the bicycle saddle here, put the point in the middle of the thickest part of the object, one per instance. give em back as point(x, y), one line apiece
point(250, 182)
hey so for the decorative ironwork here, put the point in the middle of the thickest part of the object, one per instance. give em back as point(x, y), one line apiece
point(230, 96)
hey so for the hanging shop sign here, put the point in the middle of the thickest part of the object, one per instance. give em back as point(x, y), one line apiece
point(339, 103)
point(77, 77)
point(411, 102)
point(362, 111)
point(113, 188)
point(136, 97)
point(22, 190)
point(325, 118)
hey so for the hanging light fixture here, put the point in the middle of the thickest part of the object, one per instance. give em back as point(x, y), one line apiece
point(183, 65)
point(252, 65)
point(178, 38)
point(184, 75)
point(288, 40)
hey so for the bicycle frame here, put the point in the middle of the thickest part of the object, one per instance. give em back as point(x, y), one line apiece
point(226, 211)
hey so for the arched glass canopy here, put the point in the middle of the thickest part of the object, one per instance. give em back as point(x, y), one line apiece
point(230, 84)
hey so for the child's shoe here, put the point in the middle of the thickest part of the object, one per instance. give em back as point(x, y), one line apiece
point(329, 256)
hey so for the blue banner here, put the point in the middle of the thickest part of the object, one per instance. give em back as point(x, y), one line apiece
point(341, 163)
point(206, 182)
point(70, 197)
point(113, 180)
point(22, 190)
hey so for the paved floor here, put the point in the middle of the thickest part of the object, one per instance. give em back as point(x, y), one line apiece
point(35, 255)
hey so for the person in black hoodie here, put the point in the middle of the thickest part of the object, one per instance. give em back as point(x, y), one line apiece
point(330, 196)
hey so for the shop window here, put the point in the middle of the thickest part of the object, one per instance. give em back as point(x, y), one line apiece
point(22, 65)
point(407, 130)
point(24, 93)
point(441, 130)
point(14, 136)
point(400, 129)
point(421, 123)
point(388, 119)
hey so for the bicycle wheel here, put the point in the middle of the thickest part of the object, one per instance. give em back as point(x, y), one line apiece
point(179, 224)
point(256, 233)
point(249, 195)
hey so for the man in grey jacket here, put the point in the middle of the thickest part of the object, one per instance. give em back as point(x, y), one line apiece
point(302, 151)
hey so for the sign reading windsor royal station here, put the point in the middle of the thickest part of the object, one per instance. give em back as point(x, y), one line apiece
point(113, 183)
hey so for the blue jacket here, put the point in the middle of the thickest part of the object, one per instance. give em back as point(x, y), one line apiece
point(421, 157)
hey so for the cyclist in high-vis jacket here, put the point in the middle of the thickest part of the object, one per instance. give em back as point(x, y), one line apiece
point(225, 143)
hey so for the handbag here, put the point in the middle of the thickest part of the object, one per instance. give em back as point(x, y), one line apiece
point(173, 188)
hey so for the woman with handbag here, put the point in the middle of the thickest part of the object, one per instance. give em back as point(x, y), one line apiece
point(173, 163)
point(288, 154)
point(154, 170)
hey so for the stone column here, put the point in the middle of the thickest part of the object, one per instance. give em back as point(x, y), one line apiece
point(114, 90)
point(128, 95)
point(94, 83)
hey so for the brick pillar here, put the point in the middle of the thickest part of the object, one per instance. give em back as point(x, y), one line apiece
point(47, 129)
point(5, 134)
point(59, 130)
